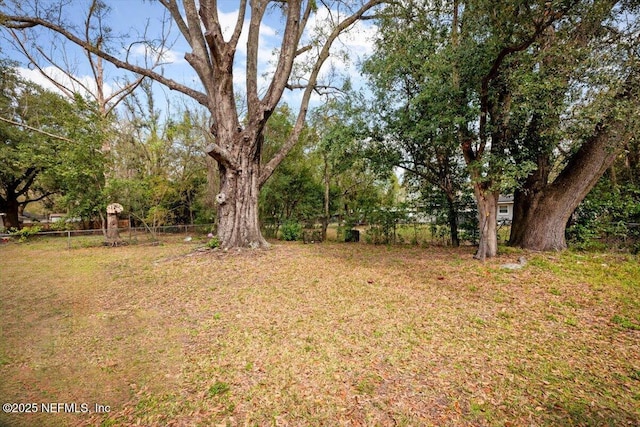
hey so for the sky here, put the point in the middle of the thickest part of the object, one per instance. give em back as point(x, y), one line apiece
point(132, 17)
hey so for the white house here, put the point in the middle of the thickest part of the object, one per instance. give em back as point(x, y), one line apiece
point(505, 208)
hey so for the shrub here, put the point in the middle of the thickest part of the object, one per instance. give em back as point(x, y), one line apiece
point(384, 223)
point(25, 233)
point(290, 231)
point(62, 226)
point(213, 243)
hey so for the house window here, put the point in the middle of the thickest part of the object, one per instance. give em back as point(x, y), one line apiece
point(503, 210)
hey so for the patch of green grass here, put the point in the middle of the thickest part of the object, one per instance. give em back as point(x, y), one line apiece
point(478, 321)
point(218, 388)
point(480, 409)
point(571, 321)
point(625, 323)
point(368, 384)
point(108, 422)
point(505, 315)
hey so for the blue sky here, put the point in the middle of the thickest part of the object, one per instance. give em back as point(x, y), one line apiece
point(132, 16)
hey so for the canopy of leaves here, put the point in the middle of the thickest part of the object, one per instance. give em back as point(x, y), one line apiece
point(48, 145)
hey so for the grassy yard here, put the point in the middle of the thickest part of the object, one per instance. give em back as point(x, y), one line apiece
point(330, 334)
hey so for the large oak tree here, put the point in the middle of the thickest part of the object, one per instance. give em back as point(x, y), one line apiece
point(505, 85)
point(577, 109)
point(446, 64)
point(238, 138)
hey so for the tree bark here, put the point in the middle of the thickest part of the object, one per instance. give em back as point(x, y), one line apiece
point(525, 199)
point(453, 220)
point(327, 188)
point(12, 219)
point(238, 223)
point(487, 202)
point(543, 214)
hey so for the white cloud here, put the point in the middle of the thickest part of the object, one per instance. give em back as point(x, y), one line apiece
point(360, 39)
point(166, 57)
point(84, 85)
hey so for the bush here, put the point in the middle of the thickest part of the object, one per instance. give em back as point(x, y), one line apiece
point(62, 226)
point(25, 233)
point(384, 224)
point(290, 231)
point(376, 235)
point(213, 243)
point(607, 219)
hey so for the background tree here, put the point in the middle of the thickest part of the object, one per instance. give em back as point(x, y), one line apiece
point(416, 100)
point(292, 194)
point(82, 171)
point(187, 133)
point(158, 166)
point(47, 146)
point(338, 131)
point(57, 64)
point(238, 143)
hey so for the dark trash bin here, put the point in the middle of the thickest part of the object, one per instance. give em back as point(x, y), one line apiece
point(352, 236)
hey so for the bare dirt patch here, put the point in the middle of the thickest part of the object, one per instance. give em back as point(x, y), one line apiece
point(330, 334)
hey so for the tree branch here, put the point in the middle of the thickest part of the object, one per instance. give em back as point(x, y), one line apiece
point(268, 169)
point(233, 42)
point(549, 17)
point(221, 155)
point(37, 199)
point(110, 102)
point(17, 22)
point(253, 40)
point(304, 49)
point(27, 179)
point(286, 58)
point(36, 129)
point(173, 9)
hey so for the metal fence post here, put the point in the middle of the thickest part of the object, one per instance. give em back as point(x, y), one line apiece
point(69, 239)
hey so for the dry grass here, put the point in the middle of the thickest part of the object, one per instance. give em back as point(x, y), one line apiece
point(331, 334)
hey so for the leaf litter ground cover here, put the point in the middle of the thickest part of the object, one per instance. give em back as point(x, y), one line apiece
point(329, 334)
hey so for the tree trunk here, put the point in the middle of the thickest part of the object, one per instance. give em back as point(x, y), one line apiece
point(327, 188)
point(238, 224)
point(542, 224)
point(12, 219)
point(541, 215)
point(526, 198)
point(487, 223)
point(453, 222)
point(113, 235)
point(522, 210)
